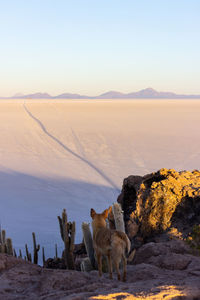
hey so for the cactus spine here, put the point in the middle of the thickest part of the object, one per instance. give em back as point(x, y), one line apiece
point(67, 231)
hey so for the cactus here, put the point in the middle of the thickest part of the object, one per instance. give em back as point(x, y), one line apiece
point(87, 237)
point(9, 248)
point(28, 254)
point(56, 251)
point(3, 236)
point(119, 218)
point(5, 243)
point(0, 235)
point(14, 253)
point(43, 256)
point(36, 249)
point(67, 231)
point(20, 253)
point(86, 265)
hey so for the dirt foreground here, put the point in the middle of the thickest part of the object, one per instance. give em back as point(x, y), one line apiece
point(159, 271)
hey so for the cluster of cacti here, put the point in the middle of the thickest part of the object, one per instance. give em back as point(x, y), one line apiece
point(67, 231)
point(6, 247)
point(36, 249)
point(5, 243)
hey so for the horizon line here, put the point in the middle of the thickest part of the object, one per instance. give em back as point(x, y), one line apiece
point(144, 93)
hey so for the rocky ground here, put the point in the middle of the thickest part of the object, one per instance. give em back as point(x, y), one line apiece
point(163, 270)
point(162, 218)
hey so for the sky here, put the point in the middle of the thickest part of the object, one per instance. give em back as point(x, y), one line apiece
point(93, 46)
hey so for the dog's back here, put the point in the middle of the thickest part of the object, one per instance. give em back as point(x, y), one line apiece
point(106, 240)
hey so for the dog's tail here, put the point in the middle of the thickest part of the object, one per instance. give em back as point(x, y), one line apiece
point(129, 255)
point(128, 245)
point(125, 238)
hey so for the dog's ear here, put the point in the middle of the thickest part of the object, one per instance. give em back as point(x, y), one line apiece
point(92, 213)
point(110, 210)
point(105, 213)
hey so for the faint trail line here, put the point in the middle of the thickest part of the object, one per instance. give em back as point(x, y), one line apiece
point(101, 173)
point(78, 144)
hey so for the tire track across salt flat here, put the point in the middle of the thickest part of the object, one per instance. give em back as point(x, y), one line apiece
point(78, 144)
point(67, 149)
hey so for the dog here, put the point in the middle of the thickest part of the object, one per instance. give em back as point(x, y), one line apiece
point(111, 243)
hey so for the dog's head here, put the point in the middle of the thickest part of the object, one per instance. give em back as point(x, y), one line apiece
point(99, 220)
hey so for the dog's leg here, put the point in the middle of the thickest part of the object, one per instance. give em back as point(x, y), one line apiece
point(110, 265)
point(116, 264)
point(124, 267)
point(99, 261)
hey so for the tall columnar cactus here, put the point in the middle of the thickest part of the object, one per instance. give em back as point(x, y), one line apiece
point(20, 253)
point(67, 231)
point(56, 251)
point(36, 249)
point(28, 254)
point(9, 247)
point(87, 237)
point(118, 216)
point(3, 241)
point(0, 235)
point(43, 256)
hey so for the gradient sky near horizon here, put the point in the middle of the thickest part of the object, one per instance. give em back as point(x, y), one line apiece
point(92, 46)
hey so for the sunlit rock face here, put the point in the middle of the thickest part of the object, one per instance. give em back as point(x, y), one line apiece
point(160, 201)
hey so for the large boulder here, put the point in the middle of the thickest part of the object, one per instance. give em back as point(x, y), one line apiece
point(161, 201)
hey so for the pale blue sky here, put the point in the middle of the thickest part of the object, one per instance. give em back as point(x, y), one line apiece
point(92, 46)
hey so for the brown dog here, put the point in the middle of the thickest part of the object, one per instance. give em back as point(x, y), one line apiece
point(111, 243)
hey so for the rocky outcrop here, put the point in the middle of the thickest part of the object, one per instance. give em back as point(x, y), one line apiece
point(158, 202)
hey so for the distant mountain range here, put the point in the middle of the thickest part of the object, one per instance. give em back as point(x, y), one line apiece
point(148, 93)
